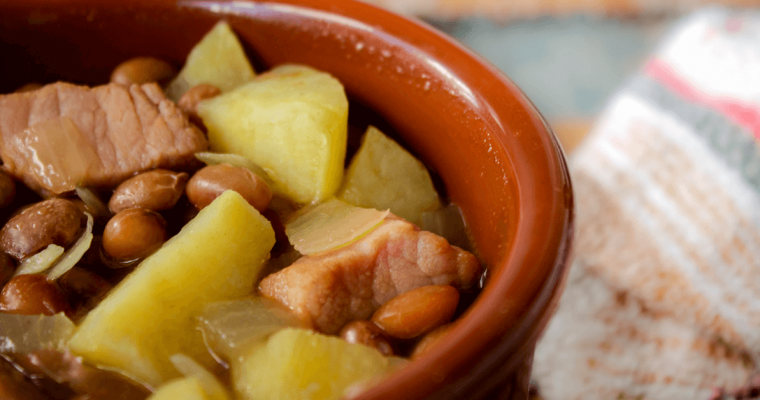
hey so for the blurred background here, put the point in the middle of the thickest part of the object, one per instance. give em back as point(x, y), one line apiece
point(569, 56)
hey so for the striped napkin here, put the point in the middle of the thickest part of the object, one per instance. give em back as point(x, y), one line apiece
point(663, 300)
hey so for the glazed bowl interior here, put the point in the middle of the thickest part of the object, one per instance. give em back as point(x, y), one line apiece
point(497, 158)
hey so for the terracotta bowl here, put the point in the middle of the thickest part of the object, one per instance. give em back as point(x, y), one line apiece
point(498, 159)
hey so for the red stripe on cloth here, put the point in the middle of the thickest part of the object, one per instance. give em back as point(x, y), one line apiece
point(744, 114)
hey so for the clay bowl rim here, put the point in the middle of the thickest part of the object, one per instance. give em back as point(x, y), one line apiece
point(500, 329)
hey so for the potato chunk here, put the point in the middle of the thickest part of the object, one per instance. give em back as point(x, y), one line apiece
point(383, 175)
point(292, 121)
point(299, 364)
point(150, 315)
point(218, 59)
point(183, 388)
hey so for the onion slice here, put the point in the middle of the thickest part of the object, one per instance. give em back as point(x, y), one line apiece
point(231, 327)
point(75, 253)
point(235, 160)
point(190, 368)
point(331, 224)
point(27, 333)
point(448, 223)
point(93, 202)
point(40, 262)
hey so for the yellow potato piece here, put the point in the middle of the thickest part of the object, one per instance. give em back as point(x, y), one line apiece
point(184, 388)
point(292, 121)
point(150, 315)
point(218, 59)
point(383, 175)
point(299, 364)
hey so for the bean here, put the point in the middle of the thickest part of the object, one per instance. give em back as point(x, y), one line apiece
point(14, 385)
point(81, 282)
point(368, 334)
point(54, 221)
point(417, 311)
point(431, 340)
point(7, 269)
point(134, 233)
point(155, 190)
point(33, 295)
point(78, 377)
point(7, 190)
point(84, 290)
point(210, 182)
point(141, 70)
point(189, 101)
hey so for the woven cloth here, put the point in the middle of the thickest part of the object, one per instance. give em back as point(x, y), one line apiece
point(663, 299)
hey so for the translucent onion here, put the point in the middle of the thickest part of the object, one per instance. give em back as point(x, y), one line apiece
point(235, 160)
point(75, 253)
point(93, 202)
point(190, 368)
point(231, 327)
point(59, 154)
point(40, 262)
point(27, 333)
point(331, 224)
point(448, 223)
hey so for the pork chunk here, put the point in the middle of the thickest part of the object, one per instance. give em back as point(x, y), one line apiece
point(64, 135)
point(332, 288)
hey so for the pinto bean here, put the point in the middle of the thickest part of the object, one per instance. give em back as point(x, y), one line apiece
point(142, 70)
point(33, 295)
point(15, 386)
point(417, 311)
point(134, 233)
point(88, 382)
point(431, 340)
point(210, 182)
point(368, 334)
point(81, 282)
point(155, 190)
point(54, 221)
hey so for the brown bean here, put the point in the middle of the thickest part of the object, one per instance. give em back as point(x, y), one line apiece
point(431, 340)
point(142, 70)
point(14, 385)
point(210, 182)
point(7, 190)
point(84, 290)
point(417, 311)
point(54, 221)
point(155, 190)
point(33, 295)
point(368, 334)
point(189, 101)
point(134, 233)
point(81, 282)
point(68, 369)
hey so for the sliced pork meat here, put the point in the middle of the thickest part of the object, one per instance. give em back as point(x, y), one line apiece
point(332, 288)
point(64, 135)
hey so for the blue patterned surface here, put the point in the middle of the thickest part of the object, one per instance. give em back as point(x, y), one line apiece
point(569, 67)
